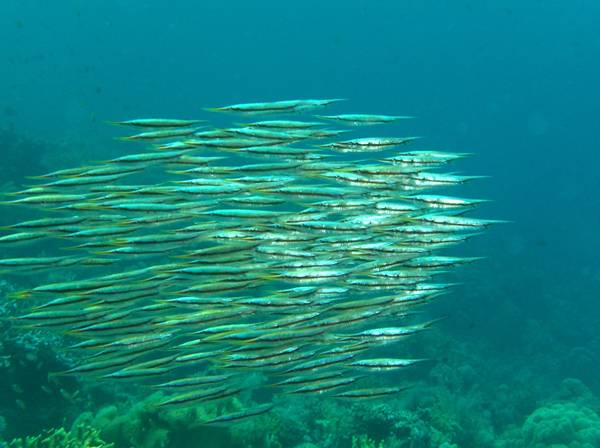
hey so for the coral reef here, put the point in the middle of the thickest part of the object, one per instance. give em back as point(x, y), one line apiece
point(365, 442)
point(29, 361)
point(143, 424)
point(559, 425)
point(562, 425)
point(79, 436)
point(568, 420)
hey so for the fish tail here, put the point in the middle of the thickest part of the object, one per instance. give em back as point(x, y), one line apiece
point(432, 322)
point(19, 295)
point(96, 252)
point(473, 259)
point(61, 374)
point(269, 276)
point(78, 247)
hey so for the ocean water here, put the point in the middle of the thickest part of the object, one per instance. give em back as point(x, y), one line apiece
point(515, 361)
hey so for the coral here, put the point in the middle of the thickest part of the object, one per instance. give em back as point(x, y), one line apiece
point(145, 425)
point(558, 425)
point(80, 436)
point(562, 425)
point(574, 390)
point(364, 441)
point(26, 359)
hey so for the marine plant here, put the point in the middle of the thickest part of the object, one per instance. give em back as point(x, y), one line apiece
point(79, 436)
point(26, 359)
point(559, 425)
point(364, 441)
point(143, 424)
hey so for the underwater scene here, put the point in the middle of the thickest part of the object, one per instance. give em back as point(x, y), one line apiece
point(302, 224)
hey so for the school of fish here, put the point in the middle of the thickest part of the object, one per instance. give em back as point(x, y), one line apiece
point(278, 250)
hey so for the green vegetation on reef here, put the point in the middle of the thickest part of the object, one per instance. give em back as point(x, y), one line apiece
point(145, 425)
point(79, 436)
point(297, 423)
point(365, 442)
point(562, 425)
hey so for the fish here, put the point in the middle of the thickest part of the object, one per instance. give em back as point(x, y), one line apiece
point(157, 123)
point(368, 144)
point(21, 237)
point(254, 255)
point(425, 158)
point(456, 221)
point(239, 415)
point(320, 387)
point(48, 199)
point(31, 263)
point(194, 381)
point(319, 363)
point(110, 170)
point(279, 151)
point(160, 134)
point(443, 202)
point(285, 106)
point(284, 124)
point(147, 157)
point(99, 366)
point(47, 223)
point(309, 378)
point(369, 393)
point(129, 374)
point(384, 363)
point(364, 119)
point(201, 395)
point(230, 143)
point(267, 134)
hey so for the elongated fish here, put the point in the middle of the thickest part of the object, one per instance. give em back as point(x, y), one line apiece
point(364, 119)
point(249, 255)
point(157, 123)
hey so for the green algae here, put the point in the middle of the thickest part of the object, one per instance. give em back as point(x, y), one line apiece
point(79, 436)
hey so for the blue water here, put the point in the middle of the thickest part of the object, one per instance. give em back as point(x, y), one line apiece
point(514, 82)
